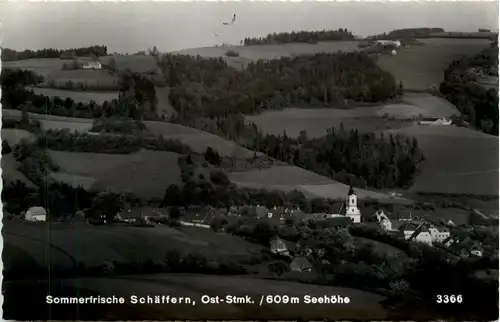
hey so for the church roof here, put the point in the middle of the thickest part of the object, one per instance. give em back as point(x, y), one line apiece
point(351, 191)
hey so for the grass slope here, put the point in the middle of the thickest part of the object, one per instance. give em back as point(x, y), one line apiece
point(146, 173)
point(458, 160)
point(71, 242)
point(40, 66)
point(93, 78)
point(287, 178)
point(419, 67)
point(11, 174)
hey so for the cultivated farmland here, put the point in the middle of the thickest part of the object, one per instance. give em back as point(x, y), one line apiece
point(420, 67)
point(77, 96)
point(146, 173)
point(458, 160)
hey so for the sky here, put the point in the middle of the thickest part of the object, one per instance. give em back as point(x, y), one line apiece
point(134, 26)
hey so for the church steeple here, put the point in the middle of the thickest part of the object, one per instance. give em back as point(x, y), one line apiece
point(351, 191)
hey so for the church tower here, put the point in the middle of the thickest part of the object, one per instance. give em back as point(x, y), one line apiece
point(352, 210)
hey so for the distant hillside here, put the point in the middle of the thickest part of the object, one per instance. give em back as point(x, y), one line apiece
point(301, 36)
point(11, 54)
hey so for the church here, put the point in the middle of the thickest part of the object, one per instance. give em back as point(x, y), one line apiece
point(348, 209)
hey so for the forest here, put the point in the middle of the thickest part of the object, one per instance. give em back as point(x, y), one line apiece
point(302, 36)
point(479, 104)
point(10, 54)
point(362, 160)
point(208, 87)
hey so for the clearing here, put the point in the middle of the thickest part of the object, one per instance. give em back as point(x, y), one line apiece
point(288, 178)
point(77, 96)
point(363, 305)
point(13, 136)
point(458, 160)
point(147, 174)
point(420, 67)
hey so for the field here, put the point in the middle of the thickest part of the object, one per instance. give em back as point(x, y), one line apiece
point(458, 160)
point(136, 63)
point(366, 119)
point(40, 66)
point(146, 173)
point(77, 96)
point(13, 136)
point(288, 178)
point(256, 52)
point(198, 140)
point(420, 67)
point(53, 122)
point(363, 305)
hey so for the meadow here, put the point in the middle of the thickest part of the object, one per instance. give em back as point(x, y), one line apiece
point(53, 122)
point(92, 79)
point(145, 173)
point(420, 67)
point(363, 305)
point(40, 66)
point(458, 160)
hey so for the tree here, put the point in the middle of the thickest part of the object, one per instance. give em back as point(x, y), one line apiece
point(173, 197)
point(6, 147)
point(279, 267)
point(212, 156)
point(174, 216)
point(107, 204)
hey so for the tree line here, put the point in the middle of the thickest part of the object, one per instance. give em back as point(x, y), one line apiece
point(477, 103)
point(11, 54)
point(302, 36)
point(208, 87)
point(350, 157)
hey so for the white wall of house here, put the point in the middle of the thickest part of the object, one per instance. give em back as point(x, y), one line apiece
point(424, 237)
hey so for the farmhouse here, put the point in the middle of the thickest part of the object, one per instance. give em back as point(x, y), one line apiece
point(383, 220)
point(435, 121)
point(94, 63)
point(36, 214)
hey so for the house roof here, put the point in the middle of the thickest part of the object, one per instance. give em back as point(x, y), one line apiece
point(297, 213)
point(302, 263)
point(339, 220)
point(407, 226)
point(258, 211)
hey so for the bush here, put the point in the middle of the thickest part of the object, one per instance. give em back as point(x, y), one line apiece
point(232, 53)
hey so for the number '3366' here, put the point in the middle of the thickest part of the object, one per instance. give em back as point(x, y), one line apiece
point(449, 299)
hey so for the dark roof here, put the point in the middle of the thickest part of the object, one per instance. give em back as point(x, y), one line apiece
point(297, 213)
point(351, 191)
point(135, 213)
point(339, 220)
point(258, 211)
point(408, 226)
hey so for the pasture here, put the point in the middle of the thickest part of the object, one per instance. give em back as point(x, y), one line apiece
point(53, 122)
point(77, 96)
point(420, 67)
point(363, 305)
point(147, 174)
point(198, 140)
point(14, 136)
point(458, 160)
point(288, 178)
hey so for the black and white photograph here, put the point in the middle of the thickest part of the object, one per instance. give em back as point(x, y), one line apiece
point(250, 160)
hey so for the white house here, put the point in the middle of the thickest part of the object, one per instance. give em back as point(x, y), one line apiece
point(391, 43)
point(435, 121)
point(36, 214)
point(278, 246)
point(419, 233)
point(93, 64)
point(352, 210)
point(383, 220)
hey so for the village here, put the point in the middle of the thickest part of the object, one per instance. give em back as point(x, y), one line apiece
point(400, 223)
